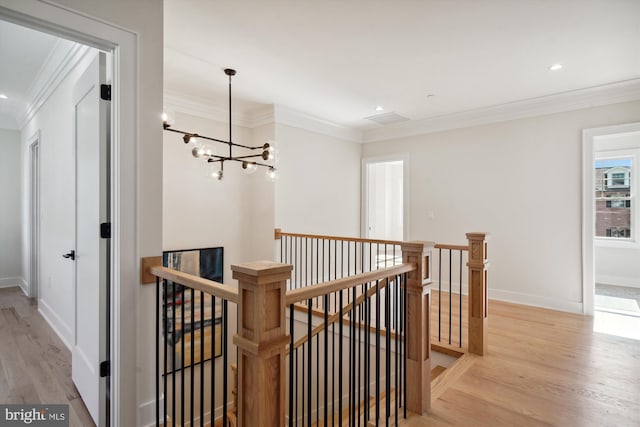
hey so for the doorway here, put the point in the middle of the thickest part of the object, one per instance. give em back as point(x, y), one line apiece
point(385, 196)
point(611, 276)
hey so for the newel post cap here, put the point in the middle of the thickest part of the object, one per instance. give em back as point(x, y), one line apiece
point(261, 272)
point(416, 246)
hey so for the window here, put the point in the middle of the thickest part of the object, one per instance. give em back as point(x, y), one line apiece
point(617, 179)
point(618, 203)
point(614, 194)
point(618, 232)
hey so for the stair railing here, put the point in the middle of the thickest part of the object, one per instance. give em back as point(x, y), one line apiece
point(380, 309)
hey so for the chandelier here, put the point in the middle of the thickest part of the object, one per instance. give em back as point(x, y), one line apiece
point(202, 148)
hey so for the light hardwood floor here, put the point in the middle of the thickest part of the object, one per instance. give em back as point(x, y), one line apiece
point(544, 368)
point(35, 366)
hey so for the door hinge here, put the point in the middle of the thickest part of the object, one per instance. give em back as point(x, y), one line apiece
point(105, 92)
point(105, 369)
point(105, 230)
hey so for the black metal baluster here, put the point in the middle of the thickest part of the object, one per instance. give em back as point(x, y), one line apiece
point(333, 370)
point(396, 314)
point(213, 358)
point(173, 346)
point(157, 351)
point(377, 351)
point(182, 339)
point(310, 356)
point(164, 341)
point(450, 296)
point(326, 359)
point(317, 379)
point(367, 350)
point(291, 326)
point(460, 302)
point(439, 292)
point(404, 340)
point(297, 382)
point(340, 340)
point(225, 360)
point(387, 314)
point(192, 359)
point(353, 318)
point(202, 359)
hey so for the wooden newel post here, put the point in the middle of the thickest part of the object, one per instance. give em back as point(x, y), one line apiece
point(418, 339)
point(262, 342)
point(478, 298)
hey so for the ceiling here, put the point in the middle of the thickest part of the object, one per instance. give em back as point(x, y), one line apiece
point(338, 60)
point(23, 52)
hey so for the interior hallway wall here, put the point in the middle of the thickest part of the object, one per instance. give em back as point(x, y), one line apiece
point(10, 212)
point(319, 187)
point(521, 181)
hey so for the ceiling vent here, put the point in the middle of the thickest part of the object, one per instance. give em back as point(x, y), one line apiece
point(387, 118)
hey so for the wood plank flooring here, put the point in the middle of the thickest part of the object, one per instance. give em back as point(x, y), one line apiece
point(35, 366)
point(544, 368)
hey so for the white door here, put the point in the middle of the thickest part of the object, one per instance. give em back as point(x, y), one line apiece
point(91, 254)
point(384, 191)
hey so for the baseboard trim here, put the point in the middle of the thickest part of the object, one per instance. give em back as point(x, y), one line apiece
point(58, 326)
point(12, 282)
point(631, 282)
point(535, 301)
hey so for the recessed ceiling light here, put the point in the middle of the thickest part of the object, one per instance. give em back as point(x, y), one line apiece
point(379, 108)
point(555, 67)
point(3, 96)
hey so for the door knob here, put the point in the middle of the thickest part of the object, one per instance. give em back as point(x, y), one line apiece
point(71, 254)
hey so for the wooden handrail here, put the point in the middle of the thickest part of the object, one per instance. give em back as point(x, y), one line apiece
point(320, 289)
point(336, 316)
point(195, 282)
point(452, 247)
point(278, 233)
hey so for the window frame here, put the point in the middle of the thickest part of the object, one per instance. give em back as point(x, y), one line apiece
point(633, 182)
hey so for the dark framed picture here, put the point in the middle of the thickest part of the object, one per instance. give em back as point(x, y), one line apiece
point(181, 302)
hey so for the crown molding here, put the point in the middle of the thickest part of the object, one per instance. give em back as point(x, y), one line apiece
point(293, 118)
point(200, 107)
point(260, 117)
point(62, 59)
point(613, 93)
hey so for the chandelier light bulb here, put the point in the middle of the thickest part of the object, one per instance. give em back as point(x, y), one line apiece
point(272, 174)
point(273, 154)
point(249, 167)
point(197, 152)
point(165, 117)
point(216, 174)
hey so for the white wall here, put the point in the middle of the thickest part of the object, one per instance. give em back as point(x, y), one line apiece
point(319, 187)
point(617, 263)
point(54, 121)
point(10, 212)
point(519, 180)
point(202, 212)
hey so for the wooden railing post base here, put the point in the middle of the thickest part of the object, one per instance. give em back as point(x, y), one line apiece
point(262, 342)
point(478, 298)
point(418, 339)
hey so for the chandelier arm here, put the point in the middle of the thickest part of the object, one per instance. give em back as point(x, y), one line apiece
point(208, 138)
point(238, 159)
